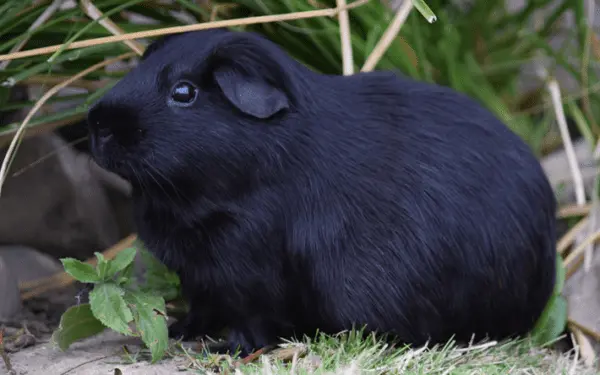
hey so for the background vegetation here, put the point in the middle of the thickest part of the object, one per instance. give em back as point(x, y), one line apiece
point(477, 47)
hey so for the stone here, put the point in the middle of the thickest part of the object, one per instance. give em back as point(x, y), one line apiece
point(28, 264)
point(56, 199)
point(56, 205)
point(10, 296)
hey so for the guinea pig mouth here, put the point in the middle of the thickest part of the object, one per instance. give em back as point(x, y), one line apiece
point(118, 167)
point(103, 153)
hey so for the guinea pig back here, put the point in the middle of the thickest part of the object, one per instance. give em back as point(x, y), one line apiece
point(289, 201)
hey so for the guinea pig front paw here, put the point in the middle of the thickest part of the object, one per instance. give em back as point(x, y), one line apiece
point(184, 329)
point(239, 343)
point(246, 341)
point(83, 295)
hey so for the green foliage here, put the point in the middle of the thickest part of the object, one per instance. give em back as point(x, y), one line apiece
point(116, 301)
point(424, 9)
point(159, 280)
point(77, 323)
point(553, 320)
point(83, 272)
point(108, 305)
point(149, 313)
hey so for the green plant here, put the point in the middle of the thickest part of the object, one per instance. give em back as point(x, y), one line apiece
point(116, 300)
point(553, 320)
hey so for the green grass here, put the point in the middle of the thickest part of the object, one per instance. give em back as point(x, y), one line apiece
point(349, 354)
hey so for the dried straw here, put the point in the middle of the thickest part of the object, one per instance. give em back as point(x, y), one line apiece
point(329, 12)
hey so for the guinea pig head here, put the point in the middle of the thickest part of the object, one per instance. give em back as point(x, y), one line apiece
point(206, 105)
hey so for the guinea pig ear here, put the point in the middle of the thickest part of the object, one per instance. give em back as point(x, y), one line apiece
point(251, 73)
point(250, 93)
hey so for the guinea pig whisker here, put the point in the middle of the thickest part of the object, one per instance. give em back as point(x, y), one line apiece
point(151, 174)
point(167, 180)
point(176, 190)
point(152, 171)
point(139, 180)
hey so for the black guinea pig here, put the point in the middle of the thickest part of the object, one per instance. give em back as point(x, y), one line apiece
point(290, 201)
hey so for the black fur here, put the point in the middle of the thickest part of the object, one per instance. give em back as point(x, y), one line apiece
point(331, 202)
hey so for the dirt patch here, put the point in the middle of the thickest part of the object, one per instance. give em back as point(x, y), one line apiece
point(27, 341)
point(104, 354)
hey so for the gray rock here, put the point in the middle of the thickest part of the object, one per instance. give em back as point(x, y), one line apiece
point(27, 264)
point(58, 205)
point(10, 297)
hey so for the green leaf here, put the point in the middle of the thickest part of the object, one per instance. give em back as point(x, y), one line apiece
point(150, 317)
point(77, 323)
point(4, 97)
point(424, 9)
point(110, 308)
point(126, 275)
point(159, 278)
point(560, 276)
point(553, 319)
point(82, 272)
point(102, 266)
point(121, 261)
point(552, 322)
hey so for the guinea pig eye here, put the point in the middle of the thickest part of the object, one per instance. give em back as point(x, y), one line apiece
point(184, 93)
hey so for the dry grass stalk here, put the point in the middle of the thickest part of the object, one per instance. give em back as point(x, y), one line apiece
point(555, 95)
point(553, 89)
point(330, 12)
point(347, 58)
point(593, 216)
point(89, 85)
point(62, 279)
point(588, 331)
point(388, 36)
point(574, 210)
point(569, 237)
point(94, 13)
point(570, 271)
point(579, 250)
point(40, 103)
point(584, 346)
